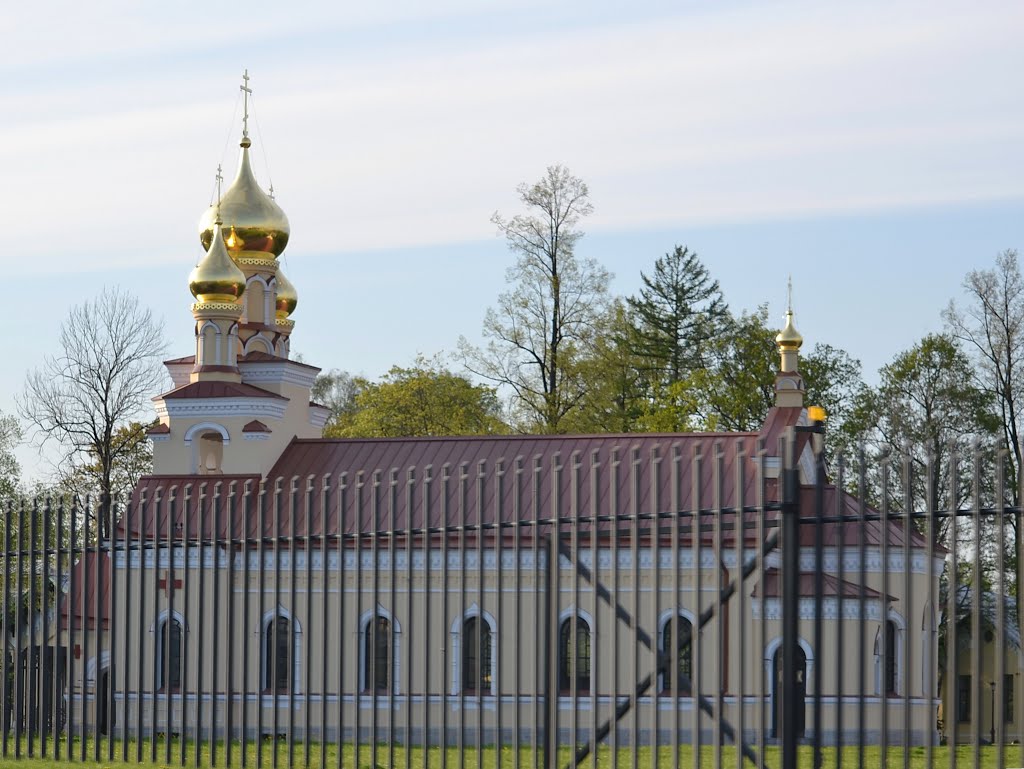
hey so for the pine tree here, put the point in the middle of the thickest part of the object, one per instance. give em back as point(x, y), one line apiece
point(680, 308)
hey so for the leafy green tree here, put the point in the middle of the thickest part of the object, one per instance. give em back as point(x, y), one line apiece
point(679, 311)
point(926, 400)
point(736, 392)
point(134, 458)
point(425, 399)
point(545, 323)
point(337, 390)
point(617, 392)
point(10, 472)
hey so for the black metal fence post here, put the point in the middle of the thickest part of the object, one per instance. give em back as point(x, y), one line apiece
point(790, 598)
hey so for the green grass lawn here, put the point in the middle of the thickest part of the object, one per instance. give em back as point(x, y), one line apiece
point(488, 758)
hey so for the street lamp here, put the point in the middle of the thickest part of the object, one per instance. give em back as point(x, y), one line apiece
point(992, 731)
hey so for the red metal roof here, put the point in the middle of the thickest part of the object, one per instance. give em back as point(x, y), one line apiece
point(831, 586)
point(217, 389)
point(256, 426)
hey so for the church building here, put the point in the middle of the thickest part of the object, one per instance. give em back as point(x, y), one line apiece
point(265, 580)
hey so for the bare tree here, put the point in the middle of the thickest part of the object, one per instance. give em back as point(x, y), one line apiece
point(100, 380)
point(547, 318)
point(991, 325)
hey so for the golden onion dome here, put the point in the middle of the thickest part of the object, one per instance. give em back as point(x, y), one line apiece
point(789, 338)
point(257, 223)
point(287, 297)
point(217, 278)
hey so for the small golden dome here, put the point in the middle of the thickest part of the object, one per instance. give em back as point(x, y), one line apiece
point(789, 338)
point(257, 223)
point(217, 278)
point(287, 297)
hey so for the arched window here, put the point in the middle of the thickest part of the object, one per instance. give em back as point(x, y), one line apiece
point(676, 636)
point(476, 655)
point(574, 656)
point(278, 668)
point(890, 657)
point(168, 654)
point(377, 654)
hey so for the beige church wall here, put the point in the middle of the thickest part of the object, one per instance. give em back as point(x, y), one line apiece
point(988, 661)
point(427, 648)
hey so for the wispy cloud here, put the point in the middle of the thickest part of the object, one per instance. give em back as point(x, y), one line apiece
point(380, 136)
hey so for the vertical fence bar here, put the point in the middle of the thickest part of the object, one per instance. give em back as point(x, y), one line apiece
point(671, 675)
point(654, 481)
point(819, 593)
point(293, 608)
point(307, 549)
point(496, 678)
point(159, 504)
point(360, 487)
point(209, 544)
point(634, 540)
point(31, 658)
point(880, 638)
point(99, 700)
point(75, 607)
point(549, 627)
point(249, 511)
point(225, 542)
point(10, 654)
point(185, 532)
point(427, 523)
point(113, 549)
point(999, 695)
point(393, 660)
point(203, 510)
point(325, 618)
point(460, 617)
point(45, 704)
point(952, 630)
point(141, 506)
point(60, 604)
point(616, 535)
point(760, 570)
point(517, 531)
point(410, 489)
point(262, 656)
point(271, 631)
point(976, 607)
point(861, 603)
point(929, 685)
point(596, 646)
point(84, 609)
point(340, 528)
point(19, 636)
point(790, 593)
point(445, 637)
point(478, 640)
point(697, 652)
point(721, 652)
point(739, 534)
point(375, 623)
point(840, 516)
point(908, 610)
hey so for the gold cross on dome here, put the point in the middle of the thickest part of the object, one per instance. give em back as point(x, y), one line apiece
point(246, 90)
point(220, 180)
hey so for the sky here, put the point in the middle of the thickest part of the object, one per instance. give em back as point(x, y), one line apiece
point(872, 151)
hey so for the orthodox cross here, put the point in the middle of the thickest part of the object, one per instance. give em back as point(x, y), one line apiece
point(246, 90)
point(271, 191)
point(169, 583)
point(789, 294)
point(220, 180)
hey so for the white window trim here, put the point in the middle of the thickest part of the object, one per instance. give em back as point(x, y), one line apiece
point(396, 647)
point(769, 661)
point(473, 611)
point(268, 617)
point(663, 620)
point(901, 629)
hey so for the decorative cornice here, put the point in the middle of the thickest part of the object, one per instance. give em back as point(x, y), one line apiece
point(284, 324)
point(277, 371)
point(263, 263)
point(226, 308)
point(223, 407)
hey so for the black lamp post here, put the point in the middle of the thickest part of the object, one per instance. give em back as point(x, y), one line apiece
point(992, 730)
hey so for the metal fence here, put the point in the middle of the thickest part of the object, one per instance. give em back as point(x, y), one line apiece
point(498, 615)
